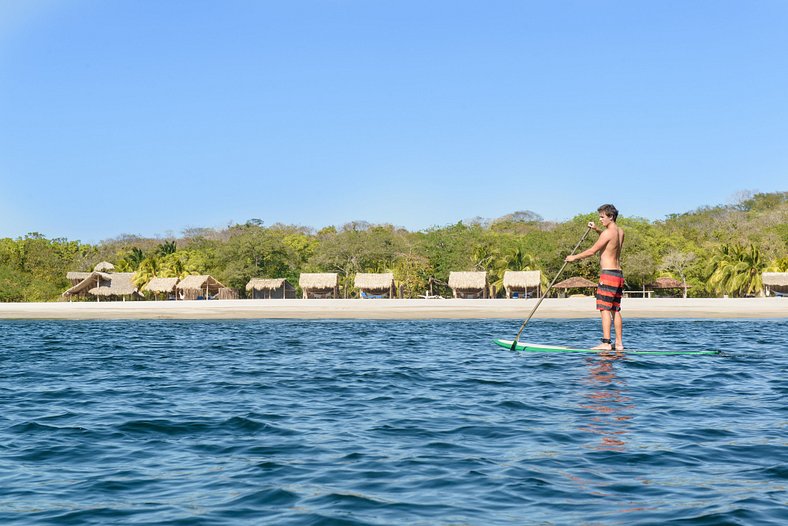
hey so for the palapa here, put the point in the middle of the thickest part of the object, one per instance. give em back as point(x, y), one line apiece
point(270, 288)
point(101, 284)
point(120, 284)
point(370, 281)
point(265, 283)
point(522, 278)
point(516, 282)
point(575, 282)
point(468, 284)
point(319, 285)
point(375, 285)
point(775, 282)
point(161, 285)
point(196, 287)
point(104, 266)
point(91, 280)
point(775, 279)
point(667, 283)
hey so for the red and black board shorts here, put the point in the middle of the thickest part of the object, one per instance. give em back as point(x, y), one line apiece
point(609, 290)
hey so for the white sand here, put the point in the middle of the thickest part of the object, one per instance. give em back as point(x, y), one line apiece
point(397, 309)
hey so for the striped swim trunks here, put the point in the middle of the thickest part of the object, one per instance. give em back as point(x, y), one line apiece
point(609, 291)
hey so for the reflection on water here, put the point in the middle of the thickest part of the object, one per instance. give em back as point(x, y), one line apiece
point(607, 398)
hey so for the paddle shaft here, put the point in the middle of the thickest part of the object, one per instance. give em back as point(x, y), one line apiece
point(517, 338)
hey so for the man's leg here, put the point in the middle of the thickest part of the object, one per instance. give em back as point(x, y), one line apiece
point(606, 319)
point(618, 322)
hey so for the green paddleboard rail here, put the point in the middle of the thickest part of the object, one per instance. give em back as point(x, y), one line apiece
point(539, 348)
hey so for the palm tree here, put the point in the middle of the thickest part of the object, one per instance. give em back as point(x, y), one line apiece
point(178, 265)
point(736, 270)
point(147, 270)
point(166, 248)
point(135, 257)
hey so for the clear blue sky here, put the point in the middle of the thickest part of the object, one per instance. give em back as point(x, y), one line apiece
point(148, 117)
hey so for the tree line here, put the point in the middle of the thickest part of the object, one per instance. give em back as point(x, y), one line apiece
point(715, 250)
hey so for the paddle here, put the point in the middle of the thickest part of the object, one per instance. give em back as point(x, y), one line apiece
point(517, 338)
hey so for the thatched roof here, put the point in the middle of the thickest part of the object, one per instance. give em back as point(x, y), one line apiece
point(120, 284)
point(374, 281)
point(775, 279)
point(89, 282)
point(161, 285)
point(198, 283)
point(522, 278)
point(667, 283)
point(103, 284)
point(104, 266)
point(327, 280)
point(467, 280)
point(73, 276)
point(575, 283)
point(265, 283)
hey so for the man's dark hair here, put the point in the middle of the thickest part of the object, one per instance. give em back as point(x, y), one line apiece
point(609, 210)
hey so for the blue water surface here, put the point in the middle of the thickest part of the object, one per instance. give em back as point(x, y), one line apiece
point(390, 422)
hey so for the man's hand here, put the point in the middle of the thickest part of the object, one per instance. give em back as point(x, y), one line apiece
point(592, 226)
point(569, 259)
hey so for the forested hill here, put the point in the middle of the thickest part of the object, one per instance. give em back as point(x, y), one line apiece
point(717, 250)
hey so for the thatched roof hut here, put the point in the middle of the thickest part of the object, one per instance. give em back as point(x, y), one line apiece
point(575, 282)
point(104, 266)
point(775, 282)
point(319, 285)
point(91, 280)
point(666, 283)
point(120, 284)
point(517, 282)
point(468, 285)
point(161, 285)
point(104, 285)
point(270, 288)
point(198, 287)
point(375, 285)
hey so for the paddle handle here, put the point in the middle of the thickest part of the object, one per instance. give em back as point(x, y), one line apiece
point(544, 295)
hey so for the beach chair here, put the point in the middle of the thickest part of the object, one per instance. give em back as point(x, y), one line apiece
point(366, 296)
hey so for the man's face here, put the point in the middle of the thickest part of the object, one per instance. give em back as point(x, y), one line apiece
point(604, 220)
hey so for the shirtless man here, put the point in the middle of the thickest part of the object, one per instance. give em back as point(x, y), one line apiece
point(611, 280)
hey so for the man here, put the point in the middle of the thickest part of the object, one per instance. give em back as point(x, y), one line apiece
point(611, 279)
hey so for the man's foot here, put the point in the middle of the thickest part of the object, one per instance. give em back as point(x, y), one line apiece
point(619, 346)
point(604, 346)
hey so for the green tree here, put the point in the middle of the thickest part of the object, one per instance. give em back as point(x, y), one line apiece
point(166, 248)
point(181, 264)
point(736, 270)
point(148, 269)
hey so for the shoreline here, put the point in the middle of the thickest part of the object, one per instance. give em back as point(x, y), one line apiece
point(383, 309)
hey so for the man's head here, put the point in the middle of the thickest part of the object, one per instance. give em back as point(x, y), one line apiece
point(608, 211)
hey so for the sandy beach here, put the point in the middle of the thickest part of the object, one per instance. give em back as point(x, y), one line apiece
point(396, 309)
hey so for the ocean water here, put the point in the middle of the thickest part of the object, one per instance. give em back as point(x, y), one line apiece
point(390, 422)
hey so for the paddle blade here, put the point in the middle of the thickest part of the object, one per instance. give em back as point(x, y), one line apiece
point(514, 346)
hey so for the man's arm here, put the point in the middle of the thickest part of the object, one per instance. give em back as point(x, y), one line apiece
point(604, 237)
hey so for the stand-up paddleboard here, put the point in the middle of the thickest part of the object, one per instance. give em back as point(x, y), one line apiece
point(538, 347)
